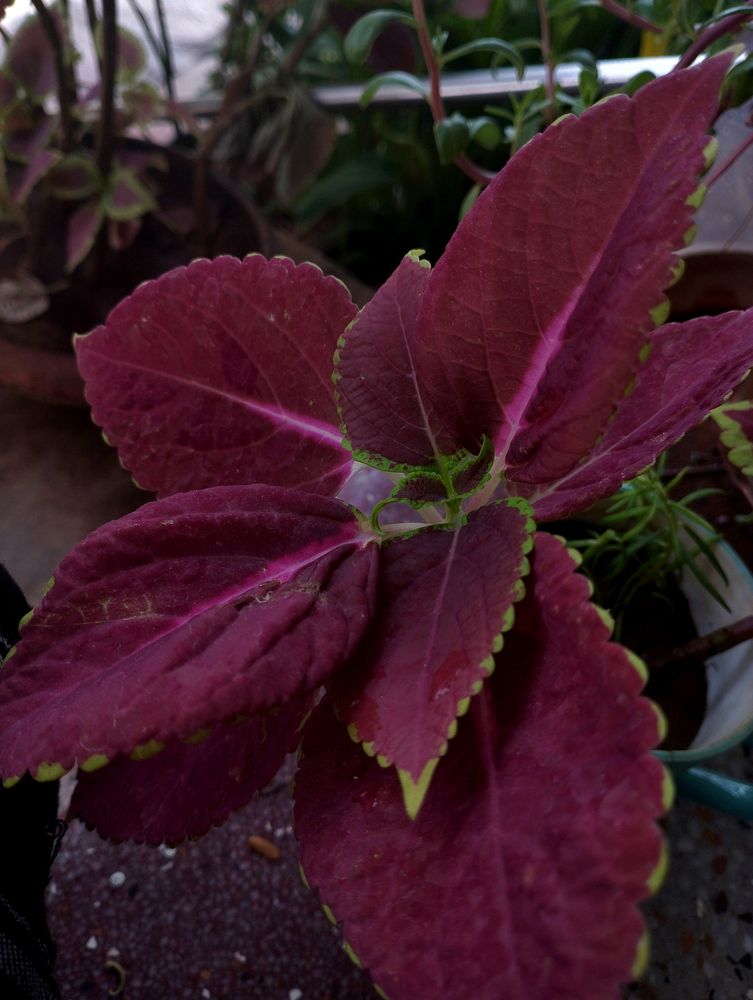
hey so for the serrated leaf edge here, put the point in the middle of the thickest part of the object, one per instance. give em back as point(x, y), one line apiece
point(414, 792)
point(739, 446)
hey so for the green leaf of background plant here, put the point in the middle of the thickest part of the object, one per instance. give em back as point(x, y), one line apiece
point(394, 79)
point(76, 176)
point(357, 176)
point(366, 30)
point(485, 131)
point(498, 46)
point(126, 197)
point(452, 136)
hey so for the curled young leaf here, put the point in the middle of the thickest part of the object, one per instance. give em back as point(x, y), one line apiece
point(520, 876)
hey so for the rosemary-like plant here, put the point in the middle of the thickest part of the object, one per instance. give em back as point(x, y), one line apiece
point(644, 539)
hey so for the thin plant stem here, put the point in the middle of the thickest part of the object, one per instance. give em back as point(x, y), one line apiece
point(711, 34)
point(471, 169)
point(630, 17)
point(106, 132)
point(92, 20)
point(66, 97)
point(702, 647)
point(167, 49)
point(730, 161)
point(546, 55)
point(476, 173)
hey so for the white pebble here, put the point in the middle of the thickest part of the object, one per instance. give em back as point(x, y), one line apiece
point(295, 994)
point(167, 852)
point(205, 993)
point(117, 879)
point(92, 943)
point(239, 957)
point(113, 953)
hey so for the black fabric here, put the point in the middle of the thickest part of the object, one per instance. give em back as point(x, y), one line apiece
point(29, 840)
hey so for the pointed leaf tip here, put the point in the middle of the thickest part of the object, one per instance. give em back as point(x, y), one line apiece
point(445, 596)
point(414, 792)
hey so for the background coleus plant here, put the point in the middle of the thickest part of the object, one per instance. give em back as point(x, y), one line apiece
point(494, 837)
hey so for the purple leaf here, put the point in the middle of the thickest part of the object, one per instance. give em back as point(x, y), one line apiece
point(520, 876)
point(186, 789)
point(535, 316)
point(39, 164)
point(30, 58)
point(691, 368)
point(126, 197)
point(375, 374)
point(445, 596)
point(76, 176)
point(220, 372)
point(24, 143)
point(131, 55)
point(83, 227)
point(181, 615)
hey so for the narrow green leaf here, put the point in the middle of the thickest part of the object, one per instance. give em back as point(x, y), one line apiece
point(367, 29)
point(500, 48)
point(396, 79)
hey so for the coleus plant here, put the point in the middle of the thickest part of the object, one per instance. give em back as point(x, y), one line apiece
point(476, 799)
point(48, 153)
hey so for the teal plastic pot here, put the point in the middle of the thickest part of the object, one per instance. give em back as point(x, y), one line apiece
point(729, 708)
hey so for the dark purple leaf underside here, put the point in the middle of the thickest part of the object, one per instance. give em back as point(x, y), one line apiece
point(691, 368)
point(445, 596)
point(181, 615)
point(377, 387)
point(221, 373)
point(30, 57)
point(520, 876)
point(532, 324)
point(186, 789)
